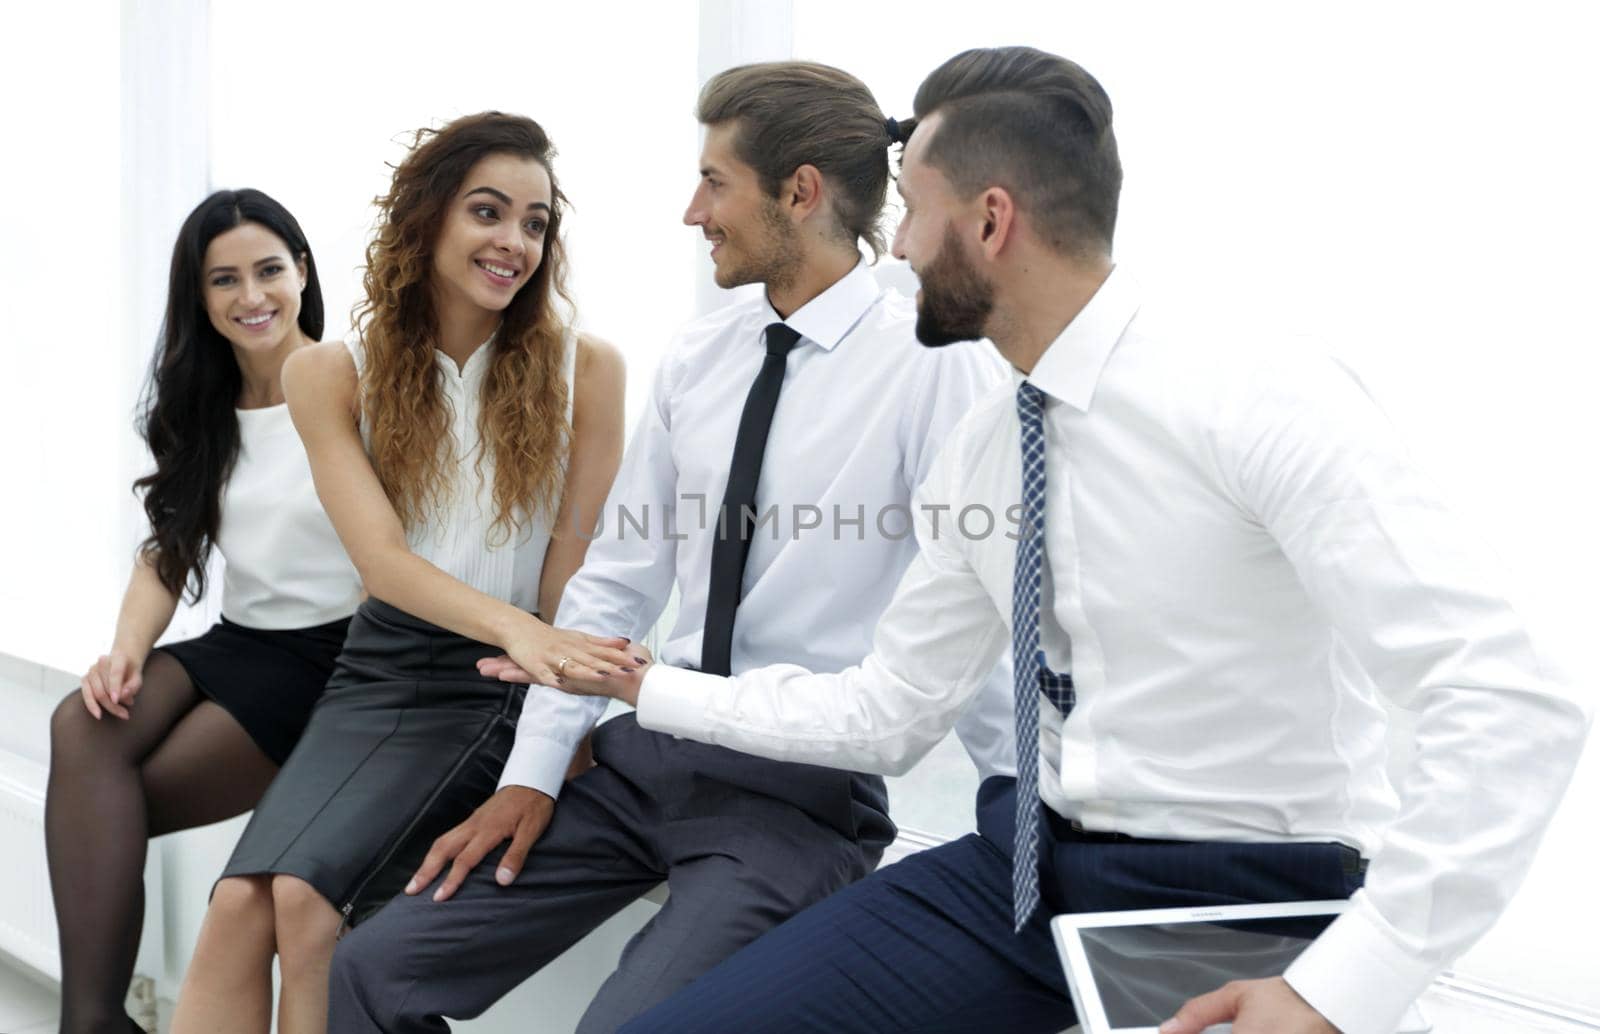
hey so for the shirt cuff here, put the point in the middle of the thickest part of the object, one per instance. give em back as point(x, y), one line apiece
point(538, 763)
point(1357, 977)
point(674, 700)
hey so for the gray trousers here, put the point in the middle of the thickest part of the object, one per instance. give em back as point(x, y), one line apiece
point(736, 863)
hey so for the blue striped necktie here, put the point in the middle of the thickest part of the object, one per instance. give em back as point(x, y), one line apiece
point(1032, 674)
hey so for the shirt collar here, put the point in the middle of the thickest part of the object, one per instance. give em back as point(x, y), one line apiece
point(1070, 368)
point(475, 362)
point(827, 318)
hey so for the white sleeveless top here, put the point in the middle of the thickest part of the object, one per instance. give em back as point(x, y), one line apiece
point(284, 566)
point(457, 539)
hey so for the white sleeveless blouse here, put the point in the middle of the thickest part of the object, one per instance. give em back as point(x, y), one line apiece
point(284, 566)
point(457, 539)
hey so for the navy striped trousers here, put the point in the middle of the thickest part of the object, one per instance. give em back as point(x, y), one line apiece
point(927, 945)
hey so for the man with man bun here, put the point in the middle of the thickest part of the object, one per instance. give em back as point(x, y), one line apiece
point(809, 413)
point(1227, 561)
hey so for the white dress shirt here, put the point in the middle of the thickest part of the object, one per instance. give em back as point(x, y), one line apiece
point(1242, 558)
point(461, 539)
point(862, 412)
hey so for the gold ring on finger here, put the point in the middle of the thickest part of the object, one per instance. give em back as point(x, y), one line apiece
point(561, 666)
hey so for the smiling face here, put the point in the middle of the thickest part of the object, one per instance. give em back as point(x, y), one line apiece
point(251, 285)
point(955, 300)
point(752, 241)
point(493, 234)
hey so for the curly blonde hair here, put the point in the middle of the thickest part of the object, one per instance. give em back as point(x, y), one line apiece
point(523, 421)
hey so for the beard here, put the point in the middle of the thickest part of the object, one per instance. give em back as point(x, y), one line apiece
point(956, 299)
point(775, 258)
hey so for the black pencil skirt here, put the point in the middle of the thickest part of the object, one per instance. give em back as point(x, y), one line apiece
point(267, 679)
point(405, 742)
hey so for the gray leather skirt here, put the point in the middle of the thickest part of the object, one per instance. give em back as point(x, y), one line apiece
point(405, 742)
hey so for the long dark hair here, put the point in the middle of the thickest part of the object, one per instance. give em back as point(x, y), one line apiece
point(186, 413)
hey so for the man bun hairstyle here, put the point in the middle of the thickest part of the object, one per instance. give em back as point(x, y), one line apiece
point(794, 113)
point(1037, 125)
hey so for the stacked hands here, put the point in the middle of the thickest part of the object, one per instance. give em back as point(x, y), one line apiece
point(581, 664)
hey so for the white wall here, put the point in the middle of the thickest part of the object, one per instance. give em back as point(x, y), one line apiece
point(66, 397)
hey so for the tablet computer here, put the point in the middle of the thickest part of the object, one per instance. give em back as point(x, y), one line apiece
point(1131, 971)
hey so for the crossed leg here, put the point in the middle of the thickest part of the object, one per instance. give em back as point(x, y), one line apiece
point(177, 762)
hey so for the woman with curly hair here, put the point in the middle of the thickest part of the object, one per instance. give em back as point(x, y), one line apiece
point(165, 738)
point(459, 442)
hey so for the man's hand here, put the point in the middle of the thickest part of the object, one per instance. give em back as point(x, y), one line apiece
point(518, 813)
point(621, 684)
point(1254, 1006)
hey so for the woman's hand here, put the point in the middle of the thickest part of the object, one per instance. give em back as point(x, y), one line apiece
point(550, 655)
point(624, 685)
point(111, 683)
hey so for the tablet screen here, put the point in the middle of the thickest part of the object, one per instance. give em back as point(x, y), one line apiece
point(1143, 974)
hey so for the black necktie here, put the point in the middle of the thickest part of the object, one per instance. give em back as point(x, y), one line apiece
point(731, 547)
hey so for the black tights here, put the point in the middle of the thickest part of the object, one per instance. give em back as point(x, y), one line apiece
point(178, 762)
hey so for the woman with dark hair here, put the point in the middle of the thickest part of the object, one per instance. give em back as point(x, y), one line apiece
point(462, 444)
point(165, 738)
